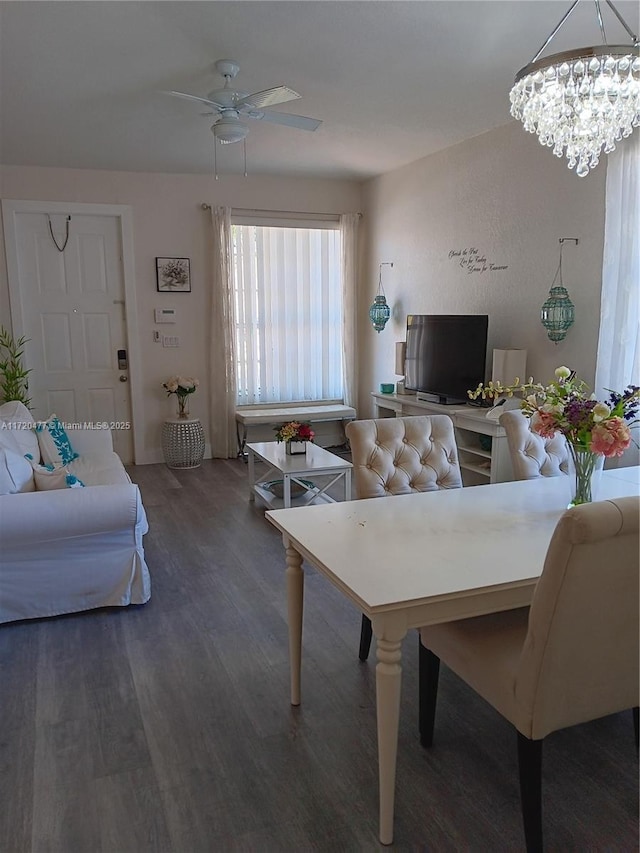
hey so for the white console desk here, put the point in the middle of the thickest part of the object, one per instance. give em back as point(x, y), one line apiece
point(481, 461)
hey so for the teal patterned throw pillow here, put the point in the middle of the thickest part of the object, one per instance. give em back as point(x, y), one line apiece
point(55, 447)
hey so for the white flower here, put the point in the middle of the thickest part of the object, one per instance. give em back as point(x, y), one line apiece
point(171, 384)
point(600, 412)
point(562, 373)
point(187, 382)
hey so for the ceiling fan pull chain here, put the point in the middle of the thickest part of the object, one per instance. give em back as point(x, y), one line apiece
point(215, 159)
point(245, 156)
point(66, 239)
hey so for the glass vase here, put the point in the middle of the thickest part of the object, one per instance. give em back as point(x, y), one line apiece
point(296, 448)
point(584, 470)
point(183, 407)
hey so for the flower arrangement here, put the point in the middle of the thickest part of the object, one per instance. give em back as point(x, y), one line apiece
point(591, 428)
point(294, 431)
point(566, 406)
point(181, 386)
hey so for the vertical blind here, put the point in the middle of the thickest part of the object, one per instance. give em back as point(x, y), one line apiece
point(288, 301)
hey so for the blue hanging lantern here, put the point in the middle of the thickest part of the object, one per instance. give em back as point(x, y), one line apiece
point(558, 312)
point(380, 312)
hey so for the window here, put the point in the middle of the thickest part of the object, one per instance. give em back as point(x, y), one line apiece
point(288, 308)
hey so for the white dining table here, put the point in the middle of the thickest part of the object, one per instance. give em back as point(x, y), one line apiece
point(412, 560)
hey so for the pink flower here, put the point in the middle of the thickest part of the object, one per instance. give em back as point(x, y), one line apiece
point(610, 438)
point(544, 423)
point(305, 433)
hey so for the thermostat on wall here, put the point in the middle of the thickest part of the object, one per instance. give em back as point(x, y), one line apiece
point(165, 315)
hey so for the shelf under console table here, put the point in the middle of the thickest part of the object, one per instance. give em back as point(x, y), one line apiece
point(482, 460)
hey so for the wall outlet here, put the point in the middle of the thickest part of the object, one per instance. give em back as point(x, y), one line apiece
point(170, 341)
point(156, 336)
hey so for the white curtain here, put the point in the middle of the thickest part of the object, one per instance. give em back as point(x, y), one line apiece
point(222, 361)
point(349, 223)
point(289, 313)
point(618, 360)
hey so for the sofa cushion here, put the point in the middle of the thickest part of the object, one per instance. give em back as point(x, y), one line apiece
point(48, 477)
point(55, 447)
point(15, 471)
point(17, 419)
point(99, 468)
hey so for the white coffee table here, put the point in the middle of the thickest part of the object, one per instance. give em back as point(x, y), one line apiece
point(316, 463)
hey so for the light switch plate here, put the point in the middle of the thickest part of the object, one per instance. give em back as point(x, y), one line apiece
point(170, 341)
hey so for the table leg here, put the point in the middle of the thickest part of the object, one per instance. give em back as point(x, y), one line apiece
point(388, 681)
point(287, 490)
point(347, 485)
point(295, 597)
point(252, 475)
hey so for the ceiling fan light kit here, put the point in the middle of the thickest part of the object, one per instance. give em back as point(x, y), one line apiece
point(581, 101)
point(229, 129)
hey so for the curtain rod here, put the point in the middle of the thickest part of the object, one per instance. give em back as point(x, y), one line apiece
point(254, 211)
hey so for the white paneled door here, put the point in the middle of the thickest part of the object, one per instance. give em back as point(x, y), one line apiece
point(72, 307)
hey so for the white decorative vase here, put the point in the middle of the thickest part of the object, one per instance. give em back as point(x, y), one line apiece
point(296, 448)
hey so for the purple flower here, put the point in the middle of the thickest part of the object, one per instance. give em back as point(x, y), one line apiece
point(578, 412)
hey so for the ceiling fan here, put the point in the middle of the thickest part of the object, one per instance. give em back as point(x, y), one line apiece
point(230, 105)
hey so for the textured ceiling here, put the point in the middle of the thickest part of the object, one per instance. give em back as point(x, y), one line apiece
point(81, 82)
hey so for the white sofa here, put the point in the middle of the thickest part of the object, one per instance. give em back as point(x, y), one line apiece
point(64, 550)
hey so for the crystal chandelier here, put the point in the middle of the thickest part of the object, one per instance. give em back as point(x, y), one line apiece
point(582, 100)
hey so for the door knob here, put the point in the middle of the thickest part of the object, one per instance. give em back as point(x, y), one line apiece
point(123, 378)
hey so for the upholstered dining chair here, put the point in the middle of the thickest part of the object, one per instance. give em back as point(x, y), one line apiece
point(533, 456)
point(397, 456)
point(570, 658)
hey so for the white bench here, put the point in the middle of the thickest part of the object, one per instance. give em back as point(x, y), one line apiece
point(276, 416)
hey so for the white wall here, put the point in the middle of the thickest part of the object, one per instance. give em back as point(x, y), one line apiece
point(169, 222)
point(510, 198)
point(501, 193)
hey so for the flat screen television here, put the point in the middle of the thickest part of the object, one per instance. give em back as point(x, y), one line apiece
point(445, 355)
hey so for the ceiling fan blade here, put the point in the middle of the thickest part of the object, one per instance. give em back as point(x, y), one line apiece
point(195, 98)
point(269, 97)
point(288, 119)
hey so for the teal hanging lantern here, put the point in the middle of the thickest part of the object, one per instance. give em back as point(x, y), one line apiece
point(380, 312)
point(558, 312)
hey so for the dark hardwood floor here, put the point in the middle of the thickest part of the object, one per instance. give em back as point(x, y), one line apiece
point(167, 727)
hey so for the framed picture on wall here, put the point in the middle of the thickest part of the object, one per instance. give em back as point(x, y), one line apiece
point(173, 275)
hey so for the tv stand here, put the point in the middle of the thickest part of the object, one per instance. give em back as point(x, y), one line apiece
point(439, 399)
point(481, 461)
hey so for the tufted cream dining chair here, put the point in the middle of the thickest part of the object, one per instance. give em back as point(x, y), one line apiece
point(531, 455)
point(570, 658)
point(397, 456)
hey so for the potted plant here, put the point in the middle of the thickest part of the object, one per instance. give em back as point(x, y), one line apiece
point(14, 377)
point(295, 436)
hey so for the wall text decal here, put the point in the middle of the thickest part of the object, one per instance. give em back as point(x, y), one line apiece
point(474, 261)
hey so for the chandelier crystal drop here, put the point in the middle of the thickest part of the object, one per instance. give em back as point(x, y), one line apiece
point(581, 101)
